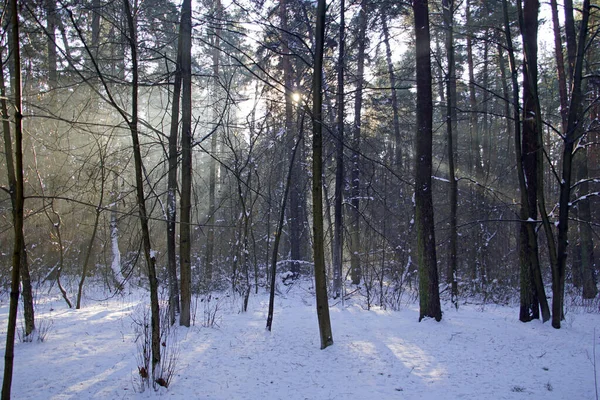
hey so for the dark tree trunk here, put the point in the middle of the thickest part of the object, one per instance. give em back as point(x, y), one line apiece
point(338, 239)
point(186, 163)
point(429, 299)
point(210, 237)
point(355, 267)
point(172, 189)
point(392, 77)
point(473, 125)
point(277, 238)
point(573, 134)
point(560, 65)
point(295, 219)
point(141, 199)
point(18, 196)
point(532, 289)
point(585, 268)
point(317, 184)
point(51, 42)
point(451, 278)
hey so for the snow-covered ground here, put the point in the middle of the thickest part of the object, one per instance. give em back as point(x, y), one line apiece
point(471, 354)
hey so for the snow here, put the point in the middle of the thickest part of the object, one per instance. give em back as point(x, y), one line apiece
point(475, 352)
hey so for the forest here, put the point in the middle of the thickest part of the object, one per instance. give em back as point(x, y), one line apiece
point(440, 153)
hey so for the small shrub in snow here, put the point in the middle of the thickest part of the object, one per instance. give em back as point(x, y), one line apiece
point(211, 311)
point(169, 351)
point(43, 328)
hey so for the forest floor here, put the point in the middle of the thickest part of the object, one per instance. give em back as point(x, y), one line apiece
point(474, 353)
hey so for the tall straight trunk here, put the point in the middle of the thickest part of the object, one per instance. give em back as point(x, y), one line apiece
point(27, 290)
point(51, 42)
point(573, 134)
point(295, 220)
point(571, 38)
point(506, 96)
point(317, 184)
point(355, 267)
point(583, 263)
point(174, 305)
point(186, 163)
point(527, 146)
point(212, 179)
point(172, 190)
point(473, 120)
point(560, 65)
point(392, 77)
point(338, 239)
point(451, 278)
point(132, 122)
point(18, 245)
point(429, 297)
point(585, 268)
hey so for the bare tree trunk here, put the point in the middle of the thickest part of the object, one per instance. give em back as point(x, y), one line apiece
point(132, 122)
point(277, 238)
point(295, 220)
point(210, 237)
point(27, 290)
point(585, 266)
point(186, 164)
point(532, 290)
point(451, 278)
point(172, 189)
point(571, 38)
point(573, 134)
point(51, 42)
point(338, 238)
point(429, 297)
point(355, 267)
point(17, 208)
point(560, 65)
point(392, 77)
point(317, 185)
point(473, 125)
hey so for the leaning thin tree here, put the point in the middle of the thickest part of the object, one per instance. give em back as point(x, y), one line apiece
point(132, 122)
point(18, 210)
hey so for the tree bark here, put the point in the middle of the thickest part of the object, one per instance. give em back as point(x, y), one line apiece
point(210, 237)
point(186, 164)
point(17, 208)
point(51, 42)
point(355, 267)
point(338, 238)
point(533, 296)
point(317, 184)
point(172, 188)
point(295, 219)
point(132, 122)
point(429, 300)
point(573, 134)
point(451, 278)
point(392, 77)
